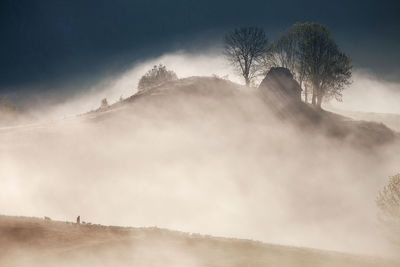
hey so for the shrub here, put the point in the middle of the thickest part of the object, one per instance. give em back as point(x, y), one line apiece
point(156, 76)
point(104, 103)
point(388, 201)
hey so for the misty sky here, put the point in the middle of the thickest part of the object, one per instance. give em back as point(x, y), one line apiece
point(47, 43)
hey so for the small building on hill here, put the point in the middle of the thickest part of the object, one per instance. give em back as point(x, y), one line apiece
point(279, 85)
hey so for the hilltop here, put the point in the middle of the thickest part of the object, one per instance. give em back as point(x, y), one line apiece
point(212, 94)
point(37, 242)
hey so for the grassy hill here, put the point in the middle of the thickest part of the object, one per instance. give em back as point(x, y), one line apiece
point(37, 242)
point(389, 119)
point(204, 153)
point(205, 94)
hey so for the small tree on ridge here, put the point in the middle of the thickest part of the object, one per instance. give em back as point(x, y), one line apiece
point(156, 76)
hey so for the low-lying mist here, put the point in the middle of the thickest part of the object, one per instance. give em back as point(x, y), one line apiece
point(114, 87)
point(221, 165)
point(367, 93)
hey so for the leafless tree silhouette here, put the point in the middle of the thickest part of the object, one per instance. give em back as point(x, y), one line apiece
point(245, 48)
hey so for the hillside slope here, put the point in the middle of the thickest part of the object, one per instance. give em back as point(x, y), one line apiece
point(201, 155)
point(389, 119)
point(37, 242)
point(215, 94)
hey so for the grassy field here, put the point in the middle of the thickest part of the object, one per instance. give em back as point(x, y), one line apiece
point(37, 242)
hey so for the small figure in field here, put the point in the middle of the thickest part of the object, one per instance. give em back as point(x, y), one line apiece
point(78, 220)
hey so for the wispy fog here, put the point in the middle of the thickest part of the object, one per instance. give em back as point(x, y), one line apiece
point(125, 84)
point(368, 93)
point(222, 166)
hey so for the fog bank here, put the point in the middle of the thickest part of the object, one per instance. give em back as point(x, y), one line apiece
point(215, 165)
point(367, 93)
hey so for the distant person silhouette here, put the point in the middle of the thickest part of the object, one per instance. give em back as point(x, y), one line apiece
point(78, 219)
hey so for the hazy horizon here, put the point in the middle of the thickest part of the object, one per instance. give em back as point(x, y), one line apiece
point(367, 93)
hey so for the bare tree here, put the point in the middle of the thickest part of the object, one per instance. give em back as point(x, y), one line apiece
point(388, 201)
point(245, 48)
point(310, 53)
point(104, 103)
point(283, 53)
point(324, 65)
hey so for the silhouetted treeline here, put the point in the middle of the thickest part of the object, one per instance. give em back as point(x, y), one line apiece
point(307, 50)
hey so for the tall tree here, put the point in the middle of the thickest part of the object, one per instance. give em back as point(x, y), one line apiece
point(283, 53)
point(245, 49)
point(324, 65)
point(310, 53)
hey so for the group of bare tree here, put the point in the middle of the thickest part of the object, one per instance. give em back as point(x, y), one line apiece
point(245, 48)
point(307, 50)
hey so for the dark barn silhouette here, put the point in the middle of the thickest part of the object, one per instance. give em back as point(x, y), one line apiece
point(280, 87)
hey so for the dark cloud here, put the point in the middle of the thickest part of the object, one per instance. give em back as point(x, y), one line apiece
point(49, 41)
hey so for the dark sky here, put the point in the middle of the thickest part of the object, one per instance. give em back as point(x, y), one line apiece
point(50, 42)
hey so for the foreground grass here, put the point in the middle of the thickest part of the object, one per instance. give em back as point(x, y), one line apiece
point(38, 242)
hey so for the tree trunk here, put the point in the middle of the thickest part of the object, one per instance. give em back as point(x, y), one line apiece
point(315, 93)
point(314, 98)
point(247, 80)
point(305, 93)
point(319, 100)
